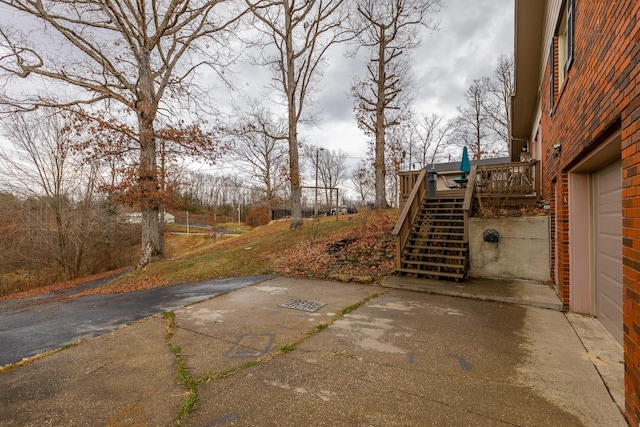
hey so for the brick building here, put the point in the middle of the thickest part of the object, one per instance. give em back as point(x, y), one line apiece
point(576, 109)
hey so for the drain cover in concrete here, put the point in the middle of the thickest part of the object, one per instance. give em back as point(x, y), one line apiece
point(303, 304)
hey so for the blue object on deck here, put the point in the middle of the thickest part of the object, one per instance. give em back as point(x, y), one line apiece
point(465, 164)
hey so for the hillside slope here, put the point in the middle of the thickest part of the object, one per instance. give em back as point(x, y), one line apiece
point(355, 247)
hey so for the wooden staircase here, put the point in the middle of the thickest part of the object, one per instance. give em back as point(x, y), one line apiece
point(436, 247)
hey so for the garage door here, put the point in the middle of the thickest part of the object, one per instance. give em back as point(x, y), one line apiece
point(607, 192)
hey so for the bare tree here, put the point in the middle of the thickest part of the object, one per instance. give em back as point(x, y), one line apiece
point(388, 31)
point(213, 194)
point(331, 168)
point(261, 151)
point(126, 56)
point(472, 124)
point(42, 165)
point(362, 182)
point(483, 123)
point(299, 33)
point(332, 171)
point(396, 149)
point(501, 87)
point(428, 139)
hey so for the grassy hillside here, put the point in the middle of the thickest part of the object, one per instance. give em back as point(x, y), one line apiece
point(354, 247)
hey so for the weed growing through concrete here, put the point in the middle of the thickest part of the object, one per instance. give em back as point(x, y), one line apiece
point(316, 330)
point(286, 348)
point(170, 317)
point(184, 377)
point(352, 307)
point(28, 360)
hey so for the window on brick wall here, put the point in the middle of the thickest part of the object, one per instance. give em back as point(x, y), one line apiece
point(561, 50)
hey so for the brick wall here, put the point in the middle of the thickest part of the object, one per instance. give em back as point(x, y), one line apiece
point(562, 236)
point(600, 93)
point(631, 231)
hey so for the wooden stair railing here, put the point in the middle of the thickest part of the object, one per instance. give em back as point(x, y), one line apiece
point(408, 215)
point(468, 201)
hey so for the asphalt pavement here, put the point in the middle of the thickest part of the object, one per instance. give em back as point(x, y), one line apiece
point(291, 352)
point(34, 325)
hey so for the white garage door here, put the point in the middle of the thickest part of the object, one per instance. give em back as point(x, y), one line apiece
point(607, 191)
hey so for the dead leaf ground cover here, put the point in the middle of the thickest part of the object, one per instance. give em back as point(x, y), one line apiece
point(365, 251)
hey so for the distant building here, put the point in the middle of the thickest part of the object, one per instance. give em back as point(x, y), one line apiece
point(136, 217)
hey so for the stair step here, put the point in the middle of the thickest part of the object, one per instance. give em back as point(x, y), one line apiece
point(427, 243)
point(423, 257)
point(442, 210)
point(437, 237)
point(435, 242)
point(451, 203)
point(430, 273)
point(437, 248)
point(429, 229)
point(445, 231)
point(458, 200)
point(435, 267)
point(439, 224)
point(441, 220)
point(432, 212)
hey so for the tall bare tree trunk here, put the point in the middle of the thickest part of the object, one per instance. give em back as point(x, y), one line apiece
point(294, 165)
point(379, 163)
point(147, 170)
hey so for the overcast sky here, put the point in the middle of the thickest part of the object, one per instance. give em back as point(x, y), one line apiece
point(472, 35)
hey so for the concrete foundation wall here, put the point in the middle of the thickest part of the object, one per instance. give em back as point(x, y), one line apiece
point(522, 251)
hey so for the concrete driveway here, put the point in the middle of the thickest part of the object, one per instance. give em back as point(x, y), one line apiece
point(367, 356)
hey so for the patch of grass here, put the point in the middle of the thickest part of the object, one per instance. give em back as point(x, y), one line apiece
point(187, 406)
point(223, 374)
point(184, 377)
point(170, 319)
point(352, 307)
point(286, 348)
point(320, 327)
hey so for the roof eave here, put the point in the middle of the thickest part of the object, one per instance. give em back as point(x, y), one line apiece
point(529, 31)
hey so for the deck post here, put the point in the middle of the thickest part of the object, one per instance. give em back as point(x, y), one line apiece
point(432, 183)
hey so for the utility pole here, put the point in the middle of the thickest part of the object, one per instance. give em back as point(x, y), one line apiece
point(315, 210)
